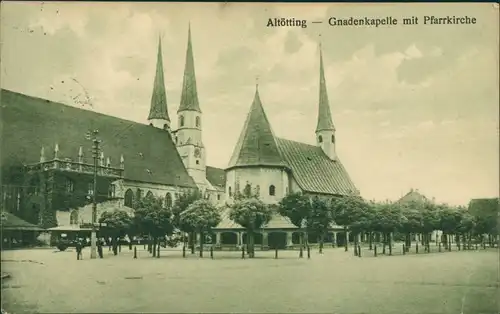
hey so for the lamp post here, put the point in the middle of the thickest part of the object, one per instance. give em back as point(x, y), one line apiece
point(95, 155)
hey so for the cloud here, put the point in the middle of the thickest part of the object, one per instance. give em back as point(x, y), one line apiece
point(385, 86)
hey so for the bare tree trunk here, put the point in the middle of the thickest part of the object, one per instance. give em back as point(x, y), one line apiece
point(321, 241)
point(390, 243)
point(155, 240)
point(384, 241)
point(370, 240)
point(301, 243)
point(449, 243)
point(346, 241)
point(202, 239)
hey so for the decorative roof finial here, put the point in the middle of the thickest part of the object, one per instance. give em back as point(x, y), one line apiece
point(56, 151)
point(42, 155)
point(257, 82)
point(101, 159)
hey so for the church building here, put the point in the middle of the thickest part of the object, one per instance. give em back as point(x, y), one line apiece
point(47, 163)
point(273, 167)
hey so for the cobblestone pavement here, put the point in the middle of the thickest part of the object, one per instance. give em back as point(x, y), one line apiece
point(335, 282)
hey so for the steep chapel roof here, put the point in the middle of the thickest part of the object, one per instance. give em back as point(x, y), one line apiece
point(413, 196)
point(30, 123)
point(256, 145)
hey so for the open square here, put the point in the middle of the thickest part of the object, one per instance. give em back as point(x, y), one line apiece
point(336, 282)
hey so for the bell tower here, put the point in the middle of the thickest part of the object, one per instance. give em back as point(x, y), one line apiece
point(325, 130)
point(189, 133)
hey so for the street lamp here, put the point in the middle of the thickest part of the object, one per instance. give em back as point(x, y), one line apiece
point(95, 153)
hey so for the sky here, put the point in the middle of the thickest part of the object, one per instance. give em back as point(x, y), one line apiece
point(414, 106)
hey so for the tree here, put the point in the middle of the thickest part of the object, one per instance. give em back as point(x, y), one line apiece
point(201, 216)
point(118, 224)
point(296, 207)
point(388, 219)
point(252, 214)
point(319, 219)
point(181, 205)
point(430, 222)
point(466, 226)
point(153, 219)
point(347, 210)
point(449, 222)
point(414, 221)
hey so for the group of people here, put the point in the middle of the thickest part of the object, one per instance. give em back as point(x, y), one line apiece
point(80, 244)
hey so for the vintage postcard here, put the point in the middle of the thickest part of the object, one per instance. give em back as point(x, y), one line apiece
point(249, 157)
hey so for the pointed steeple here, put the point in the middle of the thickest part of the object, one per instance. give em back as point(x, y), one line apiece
point(325, 121)
point(189, 96)
point(256, 145)
point(158, 108)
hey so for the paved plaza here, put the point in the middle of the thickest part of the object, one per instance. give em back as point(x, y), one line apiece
point(43, 280)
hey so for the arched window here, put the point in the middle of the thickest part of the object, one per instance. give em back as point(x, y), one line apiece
point(129, 198)
point(218, 197)
point(229, 191)
point(112, 190)
point(197, 162)
point(272, 190)
point(176, 140)
point(70, 187)
point(181, 120)
point(168, 200)
point(198, 122)
point(320, 139)
point(149, 194)
point(333, 139)
point(73, 217)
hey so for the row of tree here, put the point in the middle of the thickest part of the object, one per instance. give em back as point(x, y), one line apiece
point(193, 215)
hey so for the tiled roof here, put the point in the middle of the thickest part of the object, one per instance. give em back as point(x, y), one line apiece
point(313, 170)
point(413, 196)
point(12, 222)
point(31, 123)
point(158, 108)
point(277, 222)
point(189, 96)
point(256, 145)
point(484, 206)
point(216, 176)
point(325, 121)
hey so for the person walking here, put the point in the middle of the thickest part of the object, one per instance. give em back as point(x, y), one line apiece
point(79, 250)
point(99, 247)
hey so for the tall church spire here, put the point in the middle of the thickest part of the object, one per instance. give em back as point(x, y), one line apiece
point(158, 110)
point(324, 114)
point(189, 96)
point(256, 145)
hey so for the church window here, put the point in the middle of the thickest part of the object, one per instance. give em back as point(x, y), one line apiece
point(176, 140)
point(70, 187)
point(333, 139)
point(198, 122)
point(151, 124)
point(218, 197)
point(272, 190)
point(229, 191)
point(129, 198)
point(197, 162)
point(73, 217)
point(181, 121)
point(90, 188)
point(112, 190)
point(149, 195)
point(320, 139)
point(168, 200)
